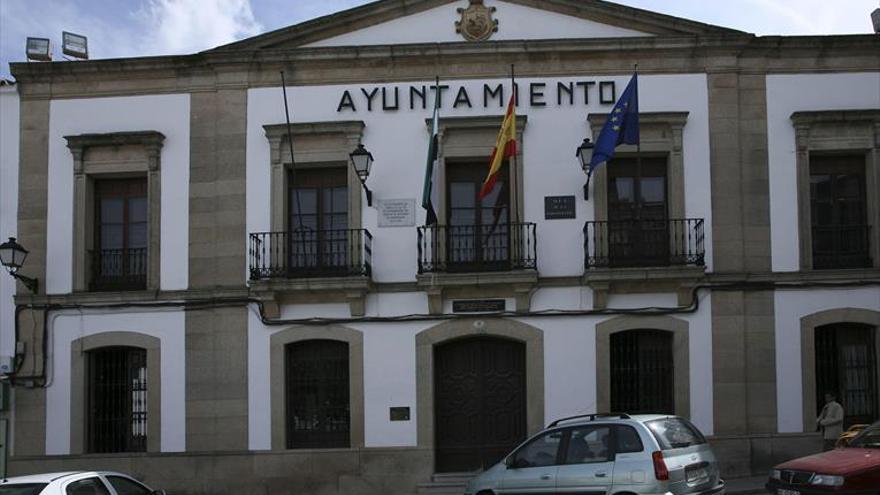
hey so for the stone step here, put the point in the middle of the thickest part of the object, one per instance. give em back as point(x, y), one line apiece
point(431, 489)
point(445, 484)
point(459, 477)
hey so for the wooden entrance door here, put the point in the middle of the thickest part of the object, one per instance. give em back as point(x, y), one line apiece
point(479, 402)
point(846, 365)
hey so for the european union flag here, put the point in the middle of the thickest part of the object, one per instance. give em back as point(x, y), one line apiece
point(622, 126)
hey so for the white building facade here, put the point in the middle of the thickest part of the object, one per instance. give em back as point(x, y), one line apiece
point(223, 312)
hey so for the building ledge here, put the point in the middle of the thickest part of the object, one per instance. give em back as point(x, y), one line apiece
point(519, 284)
point(277, 291)
point(678, 279)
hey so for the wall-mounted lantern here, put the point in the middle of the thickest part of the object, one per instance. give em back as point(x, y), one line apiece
point(584, 152)
point(12, 256)
point(362, 161)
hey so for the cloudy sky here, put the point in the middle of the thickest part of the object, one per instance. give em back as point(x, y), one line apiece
point(125, 28)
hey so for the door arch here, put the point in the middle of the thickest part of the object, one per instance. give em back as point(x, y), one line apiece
point(480, 401)
point(428, 339)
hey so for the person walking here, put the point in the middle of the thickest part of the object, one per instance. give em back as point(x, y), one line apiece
point(830, 420)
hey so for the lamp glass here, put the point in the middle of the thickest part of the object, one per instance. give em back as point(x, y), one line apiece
point(362, 161)
point(75, 45)
point(12, 255)
point(585, 153)
point(38, 49)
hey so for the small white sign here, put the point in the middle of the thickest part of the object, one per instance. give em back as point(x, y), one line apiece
point(397, 212)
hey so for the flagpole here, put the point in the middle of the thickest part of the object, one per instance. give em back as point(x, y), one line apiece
point(515, 188)
point(639, 143)
point(286, 228)
point(290, 147)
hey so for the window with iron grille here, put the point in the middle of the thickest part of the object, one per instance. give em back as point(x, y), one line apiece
point(119, 258)
point(846, 360)
point(642, 372)
point(117, 399)
point(318, 413)
point(838, 211)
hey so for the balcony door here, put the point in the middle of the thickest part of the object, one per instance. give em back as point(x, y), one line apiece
point(119, 260)
point(638, 233)
point(318, 222)
point(478, 238)
point(839, 212)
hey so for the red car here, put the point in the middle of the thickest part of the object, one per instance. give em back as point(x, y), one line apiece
point(854, 469)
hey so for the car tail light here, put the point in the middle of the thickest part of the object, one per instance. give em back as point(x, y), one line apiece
point(660, 470)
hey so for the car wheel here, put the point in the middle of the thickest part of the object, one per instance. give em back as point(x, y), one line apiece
point(485, 492)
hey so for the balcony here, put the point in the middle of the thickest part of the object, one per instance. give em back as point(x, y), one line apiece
point(477, 248)
point(644, 243)
point(841, 246)
point(310, 253)
point(118, 269)
point(311, 266)
point(466, 261)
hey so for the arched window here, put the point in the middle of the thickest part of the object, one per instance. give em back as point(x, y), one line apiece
point(317, 394)
point(642, 372)
point(117, 399)
point(846, 364)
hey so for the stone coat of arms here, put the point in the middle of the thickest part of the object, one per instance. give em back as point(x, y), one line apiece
point(476, 22)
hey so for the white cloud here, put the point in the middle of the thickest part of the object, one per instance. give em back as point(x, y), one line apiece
point(817, 16)
point(47, 20)
point(188, 26)
point(155, 27)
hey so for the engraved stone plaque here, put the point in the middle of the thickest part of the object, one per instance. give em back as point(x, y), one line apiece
point(397, 212)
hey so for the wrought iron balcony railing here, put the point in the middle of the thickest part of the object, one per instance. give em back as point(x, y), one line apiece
point(477, 248)
point(305, 253)
point(841, 246)
point(644, 243)
point(118, 269)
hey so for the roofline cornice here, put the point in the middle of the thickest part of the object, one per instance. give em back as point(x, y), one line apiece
point(374, 13)
point(188, 67)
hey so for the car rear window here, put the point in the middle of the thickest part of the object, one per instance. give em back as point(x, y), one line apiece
point(22, 489)
point(675, 433)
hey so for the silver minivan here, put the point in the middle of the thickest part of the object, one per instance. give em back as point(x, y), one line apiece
point(607, 454)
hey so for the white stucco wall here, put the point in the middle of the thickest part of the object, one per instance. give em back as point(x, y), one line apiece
point(389, 380)
point(791, 306)
point(9, 124)
point(398, 140)
point(167, 326)
point(570, 356)
point(515, 22)
point(168, 114)
point(390, 367)
point(787, 94)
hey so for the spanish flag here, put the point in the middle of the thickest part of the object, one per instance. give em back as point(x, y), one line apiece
point(505, 147)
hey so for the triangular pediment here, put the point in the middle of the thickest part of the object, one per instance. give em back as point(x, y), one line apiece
point(390, 22)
